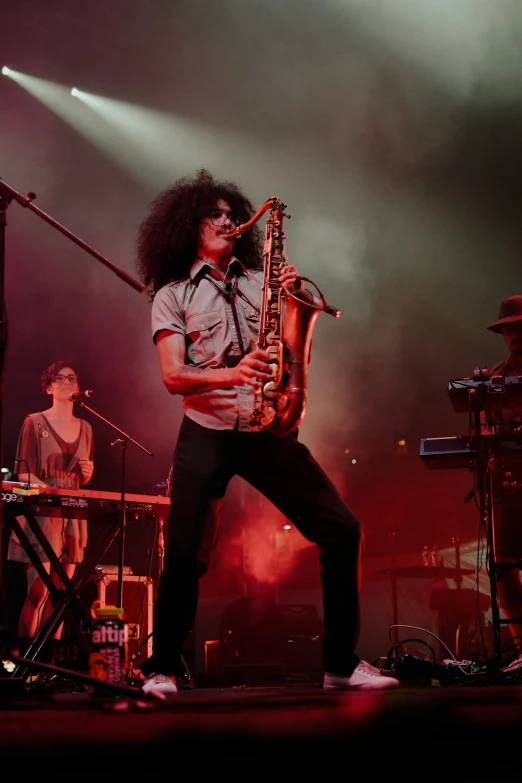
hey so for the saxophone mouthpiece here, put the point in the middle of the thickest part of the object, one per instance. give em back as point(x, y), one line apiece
point(233, 232)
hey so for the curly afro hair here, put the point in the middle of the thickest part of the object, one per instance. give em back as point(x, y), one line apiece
point(168, 238)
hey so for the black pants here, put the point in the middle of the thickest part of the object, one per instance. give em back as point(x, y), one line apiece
point(283, 470)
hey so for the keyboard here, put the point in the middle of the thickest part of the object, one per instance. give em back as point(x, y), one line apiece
point(494, 392)
point(457, 451)
point(56, 501)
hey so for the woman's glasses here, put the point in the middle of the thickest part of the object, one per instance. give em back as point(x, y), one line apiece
point(63, 378)
point(220, 216)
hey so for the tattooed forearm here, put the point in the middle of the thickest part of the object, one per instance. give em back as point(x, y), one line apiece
point(191, 383)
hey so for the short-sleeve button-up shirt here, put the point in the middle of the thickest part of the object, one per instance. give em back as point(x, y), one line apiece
point(197, 308)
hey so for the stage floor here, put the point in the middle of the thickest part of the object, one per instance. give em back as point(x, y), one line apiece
point(423, 730)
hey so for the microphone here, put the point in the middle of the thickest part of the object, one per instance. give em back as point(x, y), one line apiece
point(230, 290)
point(81, 395)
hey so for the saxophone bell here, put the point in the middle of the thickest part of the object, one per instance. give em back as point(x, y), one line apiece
point(308, 296)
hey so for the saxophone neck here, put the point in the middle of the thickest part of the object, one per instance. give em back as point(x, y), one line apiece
point(272, 203)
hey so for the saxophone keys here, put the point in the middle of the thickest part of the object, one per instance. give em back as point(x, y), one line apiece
point(270, 390)
point(268, 418)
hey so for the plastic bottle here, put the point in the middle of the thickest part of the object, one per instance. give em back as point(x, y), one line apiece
point(109, 644)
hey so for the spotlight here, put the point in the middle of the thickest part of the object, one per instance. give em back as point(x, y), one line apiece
point(4, 470)
point(75, 92)
point(354, 462)
point(287, 527)
point(6, 71)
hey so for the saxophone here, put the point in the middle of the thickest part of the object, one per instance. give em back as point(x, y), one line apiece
point(287, 318)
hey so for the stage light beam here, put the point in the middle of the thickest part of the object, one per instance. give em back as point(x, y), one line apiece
point(75, 92)
point(6, 71)
point(57, 98)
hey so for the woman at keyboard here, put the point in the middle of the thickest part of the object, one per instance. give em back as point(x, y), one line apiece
point(55, 449)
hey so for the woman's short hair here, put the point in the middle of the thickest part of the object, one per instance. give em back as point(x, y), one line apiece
point(49, 375)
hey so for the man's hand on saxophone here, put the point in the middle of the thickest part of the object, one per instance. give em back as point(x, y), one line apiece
point(289, 274)
point(253, 369)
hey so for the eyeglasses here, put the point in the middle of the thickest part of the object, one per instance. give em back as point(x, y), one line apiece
point(63, 378)
point(220, 216)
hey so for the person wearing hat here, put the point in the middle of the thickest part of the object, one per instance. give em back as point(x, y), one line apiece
point(509, 324)
point(507, 514)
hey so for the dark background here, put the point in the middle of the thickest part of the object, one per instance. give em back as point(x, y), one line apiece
point(392, 131)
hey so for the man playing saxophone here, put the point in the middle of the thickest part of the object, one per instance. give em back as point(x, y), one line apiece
point(206, 290)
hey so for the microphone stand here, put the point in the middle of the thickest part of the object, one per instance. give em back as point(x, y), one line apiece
point(476, 406)
point(4, 624)
point(7, 195)
point(395, 601)
point(123, 441)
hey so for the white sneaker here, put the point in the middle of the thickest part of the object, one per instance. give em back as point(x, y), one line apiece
point(160, 686)
point(364, 678)
point(515, 667)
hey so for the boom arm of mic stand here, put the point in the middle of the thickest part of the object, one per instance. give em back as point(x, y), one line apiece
point(125, 435)
point(9, 194)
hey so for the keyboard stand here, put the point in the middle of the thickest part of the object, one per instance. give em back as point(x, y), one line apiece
point(55, 592)
point(63, 599)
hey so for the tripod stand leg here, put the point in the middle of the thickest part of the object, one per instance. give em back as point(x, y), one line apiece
point(493, 575)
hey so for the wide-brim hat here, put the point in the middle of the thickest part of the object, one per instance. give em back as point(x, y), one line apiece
point(510, 312)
